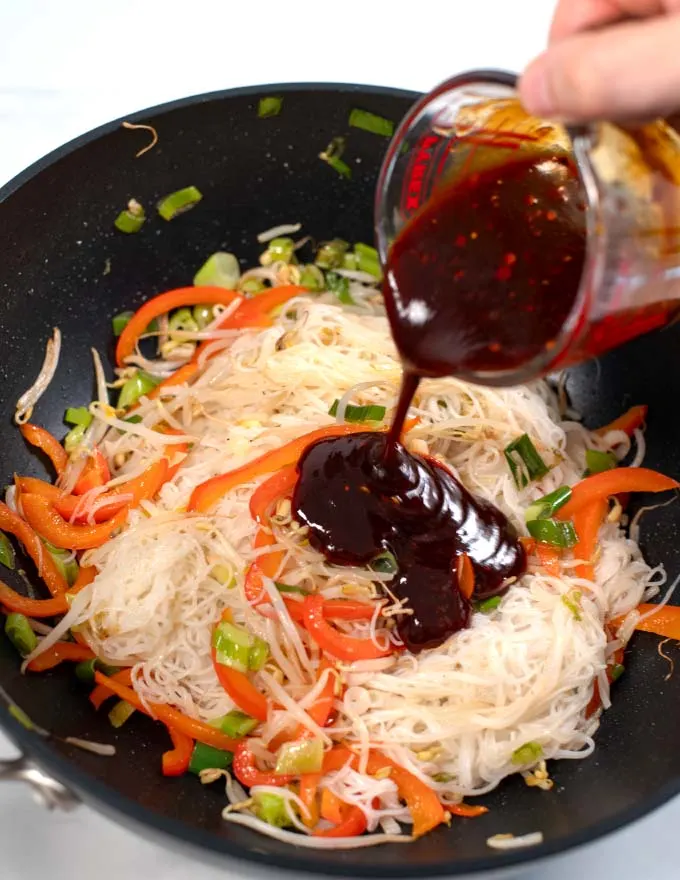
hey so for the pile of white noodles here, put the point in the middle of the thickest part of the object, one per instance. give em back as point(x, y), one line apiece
point(523, 673)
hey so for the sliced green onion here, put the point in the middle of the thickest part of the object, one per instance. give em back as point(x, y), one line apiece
point(131, 219)
point(221, 269)
point(141, 383)
point(182, 319)
point(134, 419)
point(18, 631)
point(597, 462)
point(271, 808)
point(74, 438)
point(529, 753)
point(331, 156)
point(331, 254)
point(257, 657)
point(339, 285)
point(349, 261)
point(337, 164)
point(236, 647)
point(206, 757)
point(120, 713)
point(232, 645)
point(78, 415)
point(300, 756)
point(235, 724)
point(486, 606)
point(178, 202)
point(368, 413)
point(617, 671)
point(278, 249)
point(552, 531)
point(252, 286)
point(384, 563)
point(371, 122)
point(572, 600)
point(7, 555)
point(86, 668)
point(289, 588)
point(312, 278)
point(367, 259)
point(120, 322)
point(530, 465)
point(68, 569)
point(544, 508)
point(203, 314)
point(269, 106)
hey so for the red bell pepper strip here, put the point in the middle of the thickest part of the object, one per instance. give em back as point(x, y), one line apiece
point(197, 730)
point(142, 488)
point(161, 305)
point(352, 825)
point(421, 800)
point(13, 601)
point(587, 522)
point(100, 692)
point(631, 420)
point(331, 806)
point(246, 770)
point(465, 575)
point(181, 376)
point(549, 557)
point(43, 440)
point(242, 691)
point(177, 759)
point(664, 622)
point(86, 574)
point(255, 312)
point(309, 786)
point(95, 473)
point(57, 653)
point(266, 494)
point(601, 486)
point(207, 494)
point(332, 641)
point(41, 516)
point(467, 811)
point(47, 569)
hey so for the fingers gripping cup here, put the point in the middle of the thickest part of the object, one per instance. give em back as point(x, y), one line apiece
point(515, 246)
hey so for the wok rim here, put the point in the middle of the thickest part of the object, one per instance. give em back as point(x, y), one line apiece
point(128, 812)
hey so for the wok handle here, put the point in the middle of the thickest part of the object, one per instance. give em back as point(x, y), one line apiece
point(48, 791)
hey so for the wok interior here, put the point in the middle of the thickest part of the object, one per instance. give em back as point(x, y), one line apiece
point(56, 228)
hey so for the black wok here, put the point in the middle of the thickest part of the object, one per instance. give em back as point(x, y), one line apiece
point(57, 240)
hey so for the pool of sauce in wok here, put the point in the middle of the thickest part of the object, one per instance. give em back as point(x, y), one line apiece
point(453, 276)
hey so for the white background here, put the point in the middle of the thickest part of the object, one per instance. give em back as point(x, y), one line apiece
point(68, 66)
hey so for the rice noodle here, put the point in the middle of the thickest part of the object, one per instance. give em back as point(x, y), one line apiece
point(523, 673)
point(27, 401)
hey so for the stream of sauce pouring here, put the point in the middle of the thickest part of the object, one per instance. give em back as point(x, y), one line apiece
point(509, 238)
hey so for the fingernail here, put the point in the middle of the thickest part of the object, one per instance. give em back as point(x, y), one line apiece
point(534, 89)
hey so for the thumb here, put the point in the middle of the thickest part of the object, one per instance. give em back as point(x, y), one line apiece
point(626, 71)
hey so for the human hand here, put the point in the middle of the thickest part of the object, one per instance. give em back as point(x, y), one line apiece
point(607, 59)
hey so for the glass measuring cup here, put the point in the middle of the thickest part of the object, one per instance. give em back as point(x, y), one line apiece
point(630, 184)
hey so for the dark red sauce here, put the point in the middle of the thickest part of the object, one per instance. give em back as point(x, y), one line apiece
point(484, 276)
point(357, 503)
point(482, 279)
